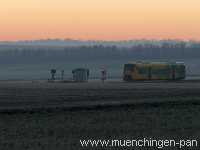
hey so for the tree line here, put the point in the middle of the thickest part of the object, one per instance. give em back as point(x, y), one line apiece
point(165, 50)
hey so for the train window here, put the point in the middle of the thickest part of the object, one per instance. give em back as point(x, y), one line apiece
point(129, 67)
point(143, 70)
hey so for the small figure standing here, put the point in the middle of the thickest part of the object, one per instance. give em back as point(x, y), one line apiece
point(53, 73)
point(103, 74)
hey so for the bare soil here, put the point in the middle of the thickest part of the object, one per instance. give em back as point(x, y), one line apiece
point(132, 110)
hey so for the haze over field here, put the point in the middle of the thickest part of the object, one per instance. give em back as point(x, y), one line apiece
point(34, 59)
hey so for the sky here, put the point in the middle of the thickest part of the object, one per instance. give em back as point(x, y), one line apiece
point(99, 19)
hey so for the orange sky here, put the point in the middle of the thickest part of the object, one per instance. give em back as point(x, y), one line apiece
point(99, 19)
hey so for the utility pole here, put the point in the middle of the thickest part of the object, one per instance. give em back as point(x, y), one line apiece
point(103, 74)
point(62, 74)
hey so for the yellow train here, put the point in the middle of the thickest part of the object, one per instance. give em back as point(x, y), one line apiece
point(154, 71)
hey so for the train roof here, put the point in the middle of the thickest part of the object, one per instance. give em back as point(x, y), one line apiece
point(158, 62)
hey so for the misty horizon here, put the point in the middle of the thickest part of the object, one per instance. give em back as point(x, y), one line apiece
point(120, 43)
